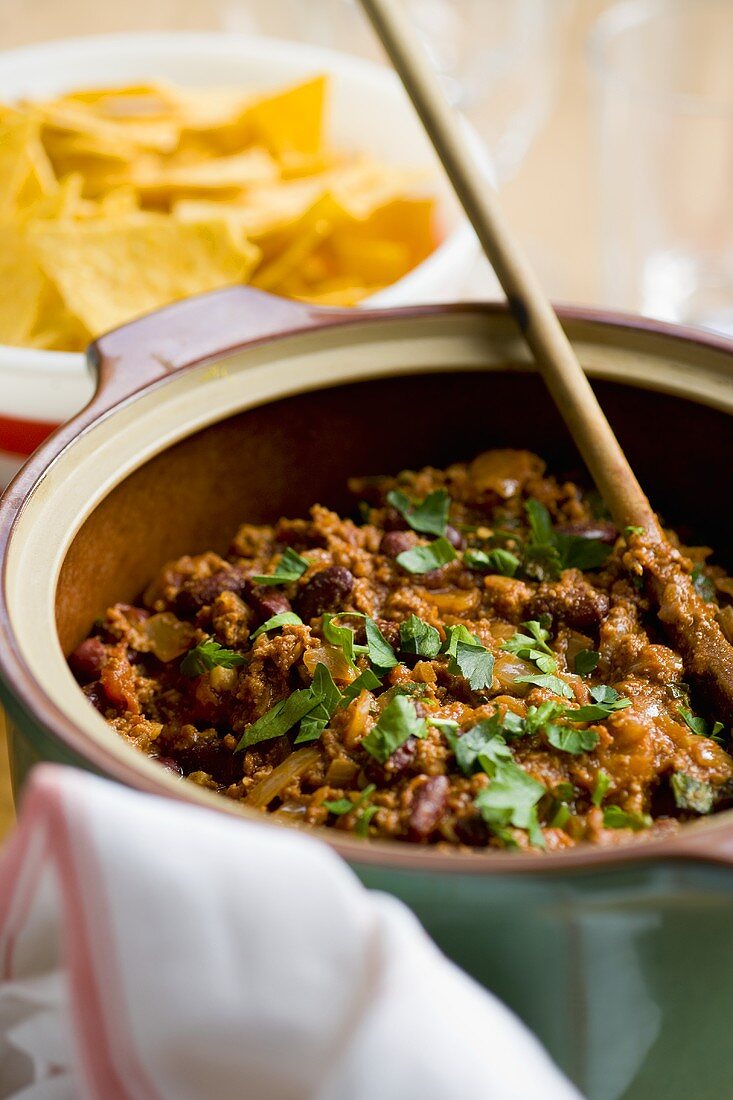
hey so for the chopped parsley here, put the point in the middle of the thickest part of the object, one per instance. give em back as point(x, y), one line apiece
point(701, 726)
point(548, 552)
point(606, 702)
point(533, 646)
point(423, 559)
point(703, 585)
point(632, 530)
point(343, 806)
point(469, 658)
point(571, 740)
point(428, 516)
point(603, 782)
point(317, 701)
point(206, 655)
point(381, 654)
point(340, 636)
point(417, 636)
point(692, 794)
point(290, 567)
point(285, 618)
point(586, 661)
point(365, 680)
point(327, 698)
point(511, 797)
point(397, 723)
point(616, 818)
point(467, 747)
point(498, 560)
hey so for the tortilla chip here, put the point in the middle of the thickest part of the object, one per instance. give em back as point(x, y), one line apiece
point(110, 272)
point(22, 283)
point(122, 199)
point(291, 121)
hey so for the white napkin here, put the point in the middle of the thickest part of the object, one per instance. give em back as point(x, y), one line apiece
point(151, 950)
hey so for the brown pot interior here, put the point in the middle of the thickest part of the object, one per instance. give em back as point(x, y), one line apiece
point(284, 456)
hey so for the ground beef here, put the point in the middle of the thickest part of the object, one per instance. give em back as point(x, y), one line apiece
point(190, 673)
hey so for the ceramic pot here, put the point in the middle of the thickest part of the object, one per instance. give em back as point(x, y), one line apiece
point(239, 406)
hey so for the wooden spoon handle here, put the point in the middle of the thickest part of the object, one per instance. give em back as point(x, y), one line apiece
point(537, 320)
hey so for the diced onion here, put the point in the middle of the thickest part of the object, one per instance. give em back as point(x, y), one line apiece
point(168, 636)
point(335, 661)
point(294, 765)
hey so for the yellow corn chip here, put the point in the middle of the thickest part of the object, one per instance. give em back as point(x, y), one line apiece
point(291, 121)
point(22, 283)
point(120, 199)
point(109, 272)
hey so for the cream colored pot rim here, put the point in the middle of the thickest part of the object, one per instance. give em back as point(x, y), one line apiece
point(68, 477)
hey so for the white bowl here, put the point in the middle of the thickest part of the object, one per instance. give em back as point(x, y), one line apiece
point(368, 110)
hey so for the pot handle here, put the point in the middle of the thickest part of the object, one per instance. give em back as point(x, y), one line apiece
point(195, 329)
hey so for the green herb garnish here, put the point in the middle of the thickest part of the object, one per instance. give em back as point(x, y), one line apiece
point(531, 646)
point(381, 654)
point(498, 560)
point(319, 700)
point(468, 657)
point(285, 618)
point(423, 559)
point(343, 806)
point(290, 567)
point(340, 636)
point(417, 636)
point(703, 585)
point(700, 726)
point(586, 661)
point(616, 818)
point(606, 702)
point(327, 698)
point(397, 723)
point(548, 552)
point(366, 679)
point(571, 740)
point(692, 794)
point(206, 655)
point(429, 516)
point(632, 530)
point(603, 782)
point(511, 797)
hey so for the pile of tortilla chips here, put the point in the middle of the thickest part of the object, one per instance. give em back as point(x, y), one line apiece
point(116, 201)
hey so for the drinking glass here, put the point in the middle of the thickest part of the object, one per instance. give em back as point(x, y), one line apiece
point(663, 93)
point(498, 58)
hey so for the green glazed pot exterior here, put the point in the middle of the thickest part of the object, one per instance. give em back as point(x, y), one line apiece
point(616, 971)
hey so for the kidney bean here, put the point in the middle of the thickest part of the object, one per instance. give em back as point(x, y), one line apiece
point(577, 605)
point(201, 591)
point(394, 521)
point(265, 602)
point(88, 659)
point(455, 538)
point(428, 806)
point(325, 591)
point(396, 542)
point(472, 831)
point(169, 764)
point(398, 762)
point(96, 696)
point(601, 529)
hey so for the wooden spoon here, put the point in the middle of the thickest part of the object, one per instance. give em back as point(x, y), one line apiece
point(690, 622)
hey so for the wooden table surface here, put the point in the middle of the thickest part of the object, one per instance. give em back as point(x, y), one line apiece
point(554, 188)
